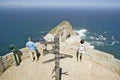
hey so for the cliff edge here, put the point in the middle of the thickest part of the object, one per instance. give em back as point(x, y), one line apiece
point(95, 65)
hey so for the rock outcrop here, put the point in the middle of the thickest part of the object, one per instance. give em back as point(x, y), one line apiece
point(95, 65)
point(8, 60)
point(63, 30)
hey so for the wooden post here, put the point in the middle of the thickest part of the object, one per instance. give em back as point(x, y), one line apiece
point(57, 65)
point(56, 52)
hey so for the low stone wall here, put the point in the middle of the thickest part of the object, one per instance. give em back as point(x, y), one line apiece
point(8, 60)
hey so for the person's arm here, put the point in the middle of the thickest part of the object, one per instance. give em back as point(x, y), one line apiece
point(26, 45)
point(34, 45)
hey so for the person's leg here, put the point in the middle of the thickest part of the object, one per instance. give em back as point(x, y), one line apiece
point(31, 55)
point(77, 54)
point(35, 55)
point(80, 56)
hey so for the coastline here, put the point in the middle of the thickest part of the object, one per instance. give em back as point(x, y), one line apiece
point(69, 46)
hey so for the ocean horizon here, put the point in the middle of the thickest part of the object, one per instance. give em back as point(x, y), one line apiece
point(99, 27)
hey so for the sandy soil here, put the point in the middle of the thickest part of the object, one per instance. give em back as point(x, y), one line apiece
point(75, 70)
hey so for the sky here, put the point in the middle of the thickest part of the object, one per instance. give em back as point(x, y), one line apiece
point(61, 3)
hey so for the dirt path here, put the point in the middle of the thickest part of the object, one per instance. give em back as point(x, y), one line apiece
point(84, 70)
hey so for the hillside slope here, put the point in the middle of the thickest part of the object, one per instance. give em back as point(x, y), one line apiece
point(95, 65)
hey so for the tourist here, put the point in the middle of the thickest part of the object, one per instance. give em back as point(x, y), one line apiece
point(42, 40)
point(81, 49)
point(32, 51)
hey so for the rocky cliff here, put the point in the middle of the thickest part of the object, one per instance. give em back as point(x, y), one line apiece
point(95, 65)
point(63, 30)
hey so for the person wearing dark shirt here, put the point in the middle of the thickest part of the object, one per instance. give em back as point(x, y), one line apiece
point(42, 39)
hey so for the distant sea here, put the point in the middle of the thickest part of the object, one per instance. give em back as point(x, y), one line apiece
point(100, 27)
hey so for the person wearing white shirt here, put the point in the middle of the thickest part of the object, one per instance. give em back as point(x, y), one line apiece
point(81, 49)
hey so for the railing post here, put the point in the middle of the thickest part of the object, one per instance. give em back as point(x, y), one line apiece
point(12, 47)
point(16, 59)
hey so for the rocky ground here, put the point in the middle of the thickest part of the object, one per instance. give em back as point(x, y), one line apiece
point(95, 65)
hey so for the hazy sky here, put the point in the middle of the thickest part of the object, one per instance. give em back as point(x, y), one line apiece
point(62, 3)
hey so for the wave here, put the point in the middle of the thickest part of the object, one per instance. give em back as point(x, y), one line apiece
point(100, 40)
point(82, 33)
point(114, 41)
point(96, 39)
point(97, 43)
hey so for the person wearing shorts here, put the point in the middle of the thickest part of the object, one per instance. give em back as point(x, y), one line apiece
point(32, 51)
point(81, 49)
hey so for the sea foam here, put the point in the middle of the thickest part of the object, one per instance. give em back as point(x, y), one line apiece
point(82, 33)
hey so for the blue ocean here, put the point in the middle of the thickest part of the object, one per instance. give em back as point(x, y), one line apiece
point(100, 27)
